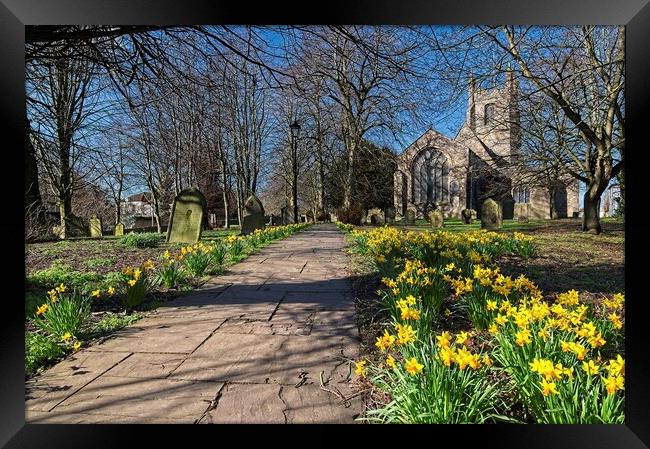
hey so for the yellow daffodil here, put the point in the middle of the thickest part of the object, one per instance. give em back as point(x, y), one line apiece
point(96, 293)
point(42, 309)
point(390, 361)
point(66, 337)
point(111, 290)
point(548, 387)
point(76, 346)
point(413, 367)
point(360, 369)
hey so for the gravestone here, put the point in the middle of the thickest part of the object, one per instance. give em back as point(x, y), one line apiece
point(389, 213)
point(491, 215)
point(76, 227)
point(521, 211)
point(436, 219)
point(409, 217)
point(95, 227)
point(186, 220)
point(468, 216)
point(253, 215)
point(119, 229)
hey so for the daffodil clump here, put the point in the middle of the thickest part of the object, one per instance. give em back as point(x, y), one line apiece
point(486, 291)
point(557, 356)
point(432, 381)
point(137, 283)
point(63, 315)
point(560, 358)
point(197, 257)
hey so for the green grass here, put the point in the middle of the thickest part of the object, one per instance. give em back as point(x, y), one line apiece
point(218, 234)
point(32, 301)
point(457, 225)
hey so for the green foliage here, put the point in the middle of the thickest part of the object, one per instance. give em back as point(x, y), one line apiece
point(100, 262)
point(67, 314)
point(32, 301)
point(63, 274)
point(40, 350)
point(143, 240)
point(112, 322)
point(171, 274)
point(439, 394)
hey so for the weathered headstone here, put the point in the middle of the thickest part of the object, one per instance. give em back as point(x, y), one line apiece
point(436, 219)
point(76, 227)
point(409, 217)
point(468, 215)
point(185, 224)
point(119, 229)
point(95, 227)
point(253, 215)
point(491, 215)
point(389, 213)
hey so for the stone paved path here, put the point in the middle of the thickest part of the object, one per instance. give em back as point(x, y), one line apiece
point(251, 346)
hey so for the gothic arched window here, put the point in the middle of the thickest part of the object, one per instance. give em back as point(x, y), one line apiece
point(489, 113)
point(521, 194)
point(430, 178)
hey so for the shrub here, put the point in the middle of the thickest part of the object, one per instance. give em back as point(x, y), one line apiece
point(142, 240)
point(64, 314)
point(352, 214)
point(40, 350)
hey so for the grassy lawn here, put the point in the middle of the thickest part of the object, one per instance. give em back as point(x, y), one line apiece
point(566, 258)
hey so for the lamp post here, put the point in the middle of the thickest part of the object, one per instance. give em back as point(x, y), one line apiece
point(295, 130)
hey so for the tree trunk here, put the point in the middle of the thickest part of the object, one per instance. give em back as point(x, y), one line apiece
point(33, 201)
point(590, 217)
point(65, 211)
point(226, 209)
point(349, 179)
point(551, 195)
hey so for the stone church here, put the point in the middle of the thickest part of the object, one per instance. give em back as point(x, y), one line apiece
point(479, 163)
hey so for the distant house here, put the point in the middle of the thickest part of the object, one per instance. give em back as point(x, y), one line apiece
point(137, 211)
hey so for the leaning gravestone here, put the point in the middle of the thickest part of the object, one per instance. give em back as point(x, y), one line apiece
point(409, 217)
point(186, 220)
point(95, 227)
point(491, 215)
point(119, 229)
point(467, 216)
point(436, 219)
point(253, 215)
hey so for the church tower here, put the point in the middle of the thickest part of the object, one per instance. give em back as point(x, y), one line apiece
point(491, 126)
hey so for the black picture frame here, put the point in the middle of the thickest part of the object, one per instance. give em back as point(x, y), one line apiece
point(635, 14)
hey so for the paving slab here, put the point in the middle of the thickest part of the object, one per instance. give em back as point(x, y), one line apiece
point(272, 340)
